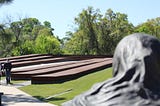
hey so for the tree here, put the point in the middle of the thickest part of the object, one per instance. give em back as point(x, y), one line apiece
point(112, 28)
point(152, 26)
point(77, 44)
point(86, 32)
point(2, 2)
point(26, 48)
point(29, 24)
point(29, 33)
point(47, 45)
point(5, 40)
point(47, 24)
point(3, 34)
point(98, 34)
point(16, 28)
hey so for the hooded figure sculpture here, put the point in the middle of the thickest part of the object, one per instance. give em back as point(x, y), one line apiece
point(136, 76)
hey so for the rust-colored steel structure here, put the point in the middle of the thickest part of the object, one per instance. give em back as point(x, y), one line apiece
point(46, 68)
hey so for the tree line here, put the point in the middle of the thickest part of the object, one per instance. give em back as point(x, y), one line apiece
point(94, 34)
point(28, 36)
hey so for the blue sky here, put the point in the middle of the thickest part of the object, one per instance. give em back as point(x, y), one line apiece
point(61, 13)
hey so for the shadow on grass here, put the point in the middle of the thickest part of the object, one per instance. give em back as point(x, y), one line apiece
point(50, 99)
point(55, 99)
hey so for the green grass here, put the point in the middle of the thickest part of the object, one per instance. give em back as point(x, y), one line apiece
point(2, 77)
point(17, 81)
point(77, 86)
point(13, 81)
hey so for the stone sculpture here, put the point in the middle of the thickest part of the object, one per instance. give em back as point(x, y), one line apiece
point(136, 76)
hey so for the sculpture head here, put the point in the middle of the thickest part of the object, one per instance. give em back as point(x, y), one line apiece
point(137, 59)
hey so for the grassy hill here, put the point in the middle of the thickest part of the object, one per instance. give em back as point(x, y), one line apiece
point(59, 93)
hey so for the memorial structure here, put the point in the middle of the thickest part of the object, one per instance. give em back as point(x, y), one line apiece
point(136, 76)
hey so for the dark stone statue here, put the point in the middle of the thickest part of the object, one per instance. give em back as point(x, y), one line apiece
point(136, 76)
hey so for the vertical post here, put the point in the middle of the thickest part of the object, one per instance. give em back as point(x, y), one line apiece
point(0, 72)
point(1, 93)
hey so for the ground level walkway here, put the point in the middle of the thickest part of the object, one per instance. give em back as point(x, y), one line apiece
point(15, 97)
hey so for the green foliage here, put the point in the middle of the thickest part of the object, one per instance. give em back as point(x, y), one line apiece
point(87, 32)
point(44, 43)
point(5, 41)
point(28, 36)
point(29, 24)
point(98, 34)
point(26, 48)
point(45, 32)
point(78, 43)
point(94, 34)
point(111, 29)
point(47, 45)
point(47, 24)
point(152, 27)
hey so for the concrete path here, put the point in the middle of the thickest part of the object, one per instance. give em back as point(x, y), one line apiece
point(15, 97)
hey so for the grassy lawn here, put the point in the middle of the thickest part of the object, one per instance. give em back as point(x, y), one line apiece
point(75, 87)
point(17, 81)
point(13, 81)
point(2, 77)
